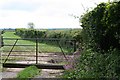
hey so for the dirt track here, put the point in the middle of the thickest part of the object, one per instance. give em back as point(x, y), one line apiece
point(44, 58)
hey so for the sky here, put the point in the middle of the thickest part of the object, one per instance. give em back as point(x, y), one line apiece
point(44, 13)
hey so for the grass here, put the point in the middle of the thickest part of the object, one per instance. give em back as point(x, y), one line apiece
point(10, 34)
point(43, 47)
point(29, 72)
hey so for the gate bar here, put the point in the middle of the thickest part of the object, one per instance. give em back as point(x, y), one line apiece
point(46, 39)
point(18, 45)
point(62, 51)
point(11, 51)
point(40, 66)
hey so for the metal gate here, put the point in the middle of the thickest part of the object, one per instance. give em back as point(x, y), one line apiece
point(7, 52)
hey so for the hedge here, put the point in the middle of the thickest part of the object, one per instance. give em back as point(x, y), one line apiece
point(101, 27)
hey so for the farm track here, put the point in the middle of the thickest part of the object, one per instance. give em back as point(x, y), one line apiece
point(44, 58)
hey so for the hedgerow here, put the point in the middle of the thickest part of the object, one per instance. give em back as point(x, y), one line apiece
point(30, 33)
point(100, 58)
point(101, 27)
point(33, 33)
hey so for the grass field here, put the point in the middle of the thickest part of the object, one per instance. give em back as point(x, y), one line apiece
point(43, 47)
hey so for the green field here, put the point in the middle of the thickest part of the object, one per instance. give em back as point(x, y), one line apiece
point(43, 47)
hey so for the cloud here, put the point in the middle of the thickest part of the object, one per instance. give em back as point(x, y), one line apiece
point(20, 5)
point(43, 13)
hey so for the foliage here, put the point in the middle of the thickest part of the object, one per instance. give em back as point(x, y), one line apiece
point(95, 65)
point(28, 72)
point(101, 27)
point(101, 40)
point(29, 33)
point(66, 34)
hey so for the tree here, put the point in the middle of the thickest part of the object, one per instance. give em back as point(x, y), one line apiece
point(31, 25)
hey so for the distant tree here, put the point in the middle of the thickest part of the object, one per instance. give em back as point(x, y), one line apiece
point(31, 25)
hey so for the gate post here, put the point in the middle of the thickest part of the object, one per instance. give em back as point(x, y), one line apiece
point(1, 39)
point(36, 48)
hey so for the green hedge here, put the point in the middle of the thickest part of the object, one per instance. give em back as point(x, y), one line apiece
point(66, 34)
point(29, 33)
point(101, 27)
point(100, 58)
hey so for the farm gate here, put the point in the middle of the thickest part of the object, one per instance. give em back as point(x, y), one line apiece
point(19, 55)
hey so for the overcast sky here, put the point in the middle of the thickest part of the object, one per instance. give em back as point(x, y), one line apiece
point(43, 13)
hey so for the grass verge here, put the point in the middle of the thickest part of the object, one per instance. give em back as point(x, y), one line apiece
point(29, 72)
